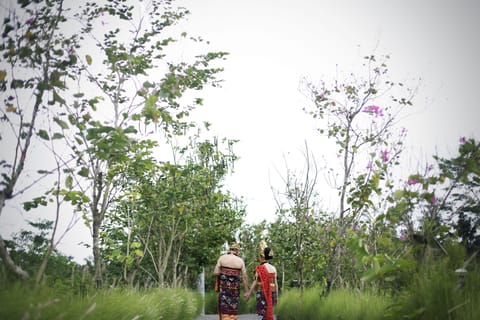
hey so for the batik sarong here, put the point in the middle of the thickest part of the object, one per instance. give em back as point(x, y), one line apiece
point(228, 293)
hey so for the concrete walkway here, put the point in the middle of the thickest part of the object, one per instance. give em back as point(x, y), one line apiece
point(240, 317)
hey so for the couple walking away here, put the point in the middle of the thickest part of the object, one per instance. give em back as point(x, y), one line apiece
point(230, 272)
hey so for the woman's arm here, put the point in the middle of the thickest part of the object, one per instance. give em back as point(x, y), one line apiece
point(252, 287)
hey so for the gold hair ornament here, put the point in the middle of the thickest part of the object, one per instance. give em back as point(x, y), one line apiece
point(261, 248)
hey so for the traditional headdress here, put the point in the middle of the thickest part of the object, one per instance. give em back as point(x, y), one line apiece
point(234, 246)
point(264, 250)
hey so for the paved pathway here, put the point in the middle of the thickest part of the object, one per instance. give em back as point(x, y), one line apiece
point(240, 317)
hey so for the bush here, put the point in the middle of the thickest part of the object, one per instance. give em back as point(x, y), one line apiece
point(339, 304)
point(435, 294)
point(23, 302)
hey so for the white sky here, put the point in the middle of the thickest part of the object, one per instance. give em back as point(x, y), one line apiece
point(274, 43)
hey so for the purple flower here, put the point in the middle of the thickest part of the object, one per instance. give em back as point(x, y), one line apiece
point(384, 154)
point(463, 139)
point(403, 236)
point(429, 167)
point(373, 109)
point(30, 21)
point(412, 181)
point(434, 200)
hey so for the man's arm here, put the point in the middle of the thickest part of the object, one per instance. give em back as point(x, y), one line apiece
point(216, 271)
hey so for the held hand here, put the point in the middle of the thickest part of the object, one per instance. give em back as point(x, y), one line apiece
point(246, 295)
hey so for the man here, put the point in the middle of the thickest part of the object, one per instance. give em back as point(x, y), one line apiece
point(228, 271)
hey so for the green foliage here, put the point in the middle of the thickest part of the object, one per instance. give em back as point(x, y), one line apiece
point(21, 302)
point(339, 304)
point(301, 248)
point(39, 57)
point(461, 202)
point(435, 294)
point(105, 149)
point(28, 249)
point(176, 213)
point(358, 114)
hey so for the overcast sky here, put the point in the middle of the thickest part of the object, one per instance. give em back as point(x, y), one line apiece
point(275, 43)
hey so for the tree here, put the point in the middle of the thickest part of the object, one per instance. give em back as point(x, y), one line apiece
point(103, 80)
point(433, 203)
point(433, 211)
point(296, 231)
point(176, 217)
point(462, 207)
point(359, 116)
point(36, 54)
point(125, 95)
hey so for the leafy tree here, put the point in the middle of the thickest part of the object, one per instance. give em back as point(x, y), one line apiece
point(297, 230)
point(28, 248)
point(433, 204)
point(462, 207)
point(116, 93)
point(359, 116)
point(176, 217)
point(433, 211)
point(101, 76)
point(36, 56)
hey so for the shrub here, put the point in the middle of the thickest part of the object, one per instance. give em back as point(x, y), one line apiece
point(339, 304)
point(435, 295)
point(23, 302)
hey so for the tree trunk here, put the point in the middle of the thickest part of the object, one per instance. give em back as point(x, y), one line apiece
point(97, 257)
point(7, 260)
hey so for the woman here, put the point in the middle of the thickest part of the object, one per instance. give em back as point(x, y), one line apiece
point(265, 282)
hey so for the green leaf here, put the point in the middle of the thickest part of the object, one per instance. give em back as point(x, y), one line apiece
point(69, 182)
point(61, 123)
point(38, 201)
point(148, 84)
point(43, 134)
point(57, 136)
point(398, 194)
point(89, 59)
point(83, 172)
point(55, 79)
point(57, 98)
point(151, 101)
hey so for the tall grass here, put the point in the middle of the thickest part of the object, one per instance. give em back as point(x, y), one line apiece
point(435, 294)
point(22, 302)
point(339, 304)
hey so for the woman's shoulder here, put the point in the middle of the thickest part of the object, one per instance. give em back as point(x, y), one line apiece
point(271, 268)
